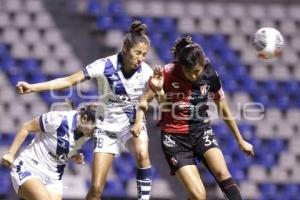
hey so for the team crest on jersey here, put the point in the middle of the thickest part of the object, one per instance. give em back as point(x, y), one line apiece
point(168, 67)
point(204, 89)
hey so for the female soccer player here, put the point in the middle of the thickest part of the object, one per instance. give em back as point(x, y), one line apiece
point(183, 88)
point(122, 78)
point(37, 171)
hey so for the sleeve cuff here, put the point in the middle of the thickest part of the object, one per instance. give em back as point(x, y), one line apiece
point(41, 123)
point(219, 95)
point(86, 74)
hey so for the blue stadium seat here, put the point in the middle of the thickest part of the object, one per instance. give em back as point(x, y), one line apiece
point(105, 22)
point(291, 87)
point(7, 62)
point(123, 22)
point(209, 179)
point(261, 97)
point(4, 52)
point(166, 25)
point(247, 131)
point(4, 181)
point(291, 191)
point(31, 65)
point(115, 8)
point(283, 101)
point(239, 71)
point(269, 190)
point(250, 85)
point(6, 139)
point(200, 39)
point(217, 41)
point(46, 96)
point(165, 55)
point(240, 159)
point(238, 173)
point(156, 39)
point(271, 86)
point(94, 7)
point(231, 85)
point(150, 23)
point(125, 167)
point(114, 189)
point(37, 78)
point(276, 145)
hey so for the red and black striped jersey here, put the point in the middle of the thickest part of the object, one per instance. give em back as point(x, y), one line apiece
point(185, 109)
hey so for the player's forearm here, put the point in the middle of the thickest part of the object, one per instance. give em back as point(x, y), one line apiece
point(142, 109)
point(18, 141)
point(140, 115)
point(231, 123)
point(56, 84)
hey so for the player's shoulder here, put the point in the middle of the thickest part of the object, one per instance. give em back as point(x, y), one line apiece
point(102, 61)
point(52, 118)
point(168, 68)
point(55, 115)
point(210, 71)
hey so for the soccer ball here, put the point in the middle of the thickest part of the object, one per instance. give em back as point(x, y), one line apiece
point(268, 43)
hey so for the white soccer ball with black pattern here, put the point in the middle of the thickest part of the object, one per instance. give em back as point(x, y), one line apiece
point(268, 43)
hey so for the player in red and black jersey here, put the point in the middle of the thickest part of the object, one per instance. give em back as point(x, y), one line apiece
point(183, 88)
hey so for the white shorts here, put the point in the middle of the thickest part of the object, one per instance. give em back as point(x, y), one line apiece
point(109, 142)
point(22, 172)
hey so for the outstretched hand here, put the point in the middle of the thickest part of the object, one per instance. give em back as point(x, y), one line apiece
point(157, 80)
point(247, 148)
point(24, 87)
point(78, 158)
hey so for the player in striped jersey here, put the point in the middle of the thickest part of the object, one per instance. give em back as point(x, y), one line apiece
point(183, 88)
point(37, 171)
point(122, 78)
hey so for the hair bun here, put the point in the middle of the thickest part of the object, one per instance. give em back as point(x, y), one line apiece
point(180, 44)
point(137, 27)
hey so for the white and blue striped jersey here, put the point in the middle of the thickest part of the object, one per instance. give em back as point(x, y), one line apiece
point(49, 152)
point(118, 94)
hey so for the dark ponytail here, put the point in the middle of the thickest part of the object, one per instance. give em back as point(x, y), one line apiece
point(136, 34)
point(188, 53)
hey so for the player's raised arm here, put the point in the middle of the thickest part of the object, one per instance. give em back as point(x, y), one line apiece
point(154, 90)
point(56, 84)
point(31, 126)
point(226, 114)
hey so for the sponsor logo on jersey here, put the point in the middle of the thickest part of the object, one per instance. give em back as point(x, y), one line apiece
point(62, 142)
point(60, 159)
point(168, 141)
point(23, 175)
point(98, 132)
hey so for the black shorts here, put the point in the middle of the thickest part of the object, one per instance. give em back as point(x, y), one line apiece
point(181, 150)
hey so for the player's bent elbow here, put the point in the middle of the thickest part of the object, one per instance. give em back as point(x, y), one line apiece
point(143, 105)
